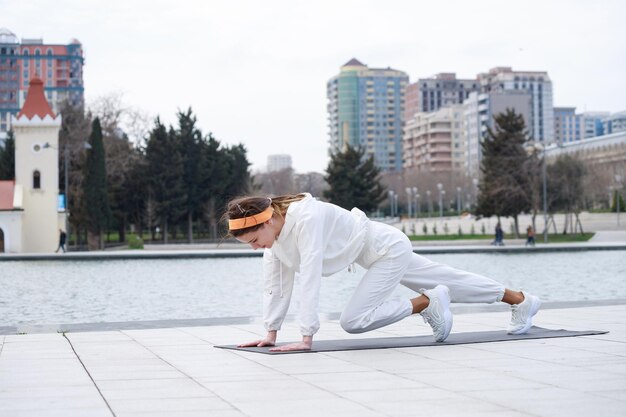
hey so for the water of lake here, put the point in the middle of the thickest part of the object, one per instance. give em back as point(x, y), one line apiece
point(38, 292)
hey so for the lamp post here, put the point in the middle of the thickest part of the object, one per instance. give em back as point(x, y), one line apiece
point(458, 200)
point(417, 205)
point(409, 201)
point(475, 182)
point(441, 193)
point(390, 193)
point(618, 180)
point(415, 208)
point(430, 204)
point(545, 194)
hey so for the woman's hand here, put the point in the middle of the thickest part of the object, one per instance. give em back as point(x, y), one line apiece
point(270, 340)
point(307, 342)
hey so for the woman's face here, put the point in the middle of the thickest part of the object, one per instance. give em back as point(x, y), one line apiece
point(263, 237)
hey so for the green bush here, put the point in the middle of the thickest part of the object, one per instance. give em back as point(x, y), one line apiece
point(135, 242)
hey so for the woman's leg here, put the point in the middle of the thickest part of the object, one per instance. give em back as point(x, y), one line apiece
point(370, 307)
point(465, 287)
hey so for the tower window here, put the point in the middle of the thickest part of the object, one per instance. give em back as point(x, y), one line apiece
point(36, 180)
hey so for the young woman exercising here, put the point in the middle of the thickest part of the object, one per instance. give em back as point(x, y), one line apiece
point(312, 238)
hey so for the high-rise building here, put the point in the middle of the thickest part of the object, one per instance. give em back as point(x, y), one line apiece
point(442, 90)
point(59, 66)
point(614, 123)
point(568, 126)
point(435, 141)
point(480, 111)
point(592, 122)
point(538, 85)
point(365, 109)
point(278, 162)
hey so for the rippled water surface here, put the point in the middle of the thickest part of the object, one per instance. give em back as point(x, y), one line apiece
point(107, 291)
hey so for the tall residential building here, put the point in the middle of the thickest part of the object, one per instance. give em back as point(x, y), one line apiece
point(614, 123)
point(538, 85)
point(442, 90)
point(365, 108)
point(435, 141)
point(278, 162)
point(568, 126)
point(592, 122)
point(479, 111)
point(59, 66)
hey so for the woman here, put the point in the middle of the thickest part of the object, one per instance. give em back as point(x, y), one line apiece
point(313, 238)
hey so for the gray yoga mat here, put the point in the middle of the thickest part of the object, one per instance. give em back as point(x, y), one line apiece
point(401, 342)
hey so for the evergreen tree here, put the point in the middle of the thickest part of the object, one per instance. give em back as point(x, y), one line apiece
point(189, 140)
point(165, 173)
point(7, 158)
point(95, 189)
point(353, 180)
point(505, 190)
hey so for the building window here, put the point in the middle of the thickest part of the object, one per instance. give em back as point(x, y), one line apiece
point(36, 180)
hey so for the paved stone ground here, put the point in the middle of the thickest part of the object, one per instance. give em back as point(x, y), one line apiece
point(178, 372)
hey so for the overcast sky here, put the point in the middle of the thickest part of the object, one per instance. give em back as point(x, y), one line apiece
point(255, 71)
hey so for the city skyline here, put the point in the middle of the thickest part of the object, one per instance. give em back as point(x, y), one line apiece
point(256, 73)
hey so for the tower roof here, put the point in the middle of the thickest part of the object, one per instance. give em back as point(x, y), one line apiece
point(36, 103)
point(353, 63)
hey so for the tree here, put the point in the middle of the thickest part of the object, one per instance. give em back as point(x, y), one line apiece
point(189, 141)
point(354, 181)
point(565, 186)
point(165, 173)
point(7, 158)
point(97, 208)
point(505, 189)
point(75, 129)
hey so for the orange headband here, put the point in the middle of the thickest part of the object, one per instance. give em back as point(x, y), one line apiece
point(245, 222)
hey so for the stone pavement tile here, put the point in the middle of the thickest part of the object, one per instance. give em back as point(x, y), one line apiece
point(66, 412)
point(553, 402)
point(98, 337)
point(302, 363)
point(179, 413)
point(581, 380)
point(171, 405)
point(26, 393)
point(328, 406)
point(93, 400)
point(274, 390)
point(443, 407)
point(470, 379)
point(394, 360)
point(357, 381)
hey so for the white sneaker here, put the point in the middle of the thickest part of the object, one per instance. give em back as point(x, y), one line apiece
point(438, 314)
point(522, 314)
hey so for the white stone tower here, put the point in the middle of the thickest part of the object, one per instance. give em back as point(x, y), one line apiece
point(36, 131)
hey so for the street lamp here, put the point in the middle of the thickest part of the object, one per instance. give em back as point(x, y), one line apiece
point(415, 208)
point(430, 204)
point(475, 182)
point(441, 193)
point(417, 205)
point(390, 203)
point(458, 200)
point(618, 180)
point(409, 201)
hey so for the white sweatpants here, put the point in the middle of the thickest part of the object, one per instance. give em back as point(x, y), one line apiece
point(370, 306)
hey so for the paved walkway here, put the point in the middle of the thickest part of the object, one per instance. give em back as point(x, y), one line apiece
point(178, 372)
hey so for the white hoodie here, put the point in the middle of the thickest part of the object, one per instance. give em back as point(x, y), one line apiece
point(318, 239)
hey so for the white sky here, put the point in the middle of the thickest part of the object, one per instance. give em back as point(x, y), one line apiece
point(255, 71)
